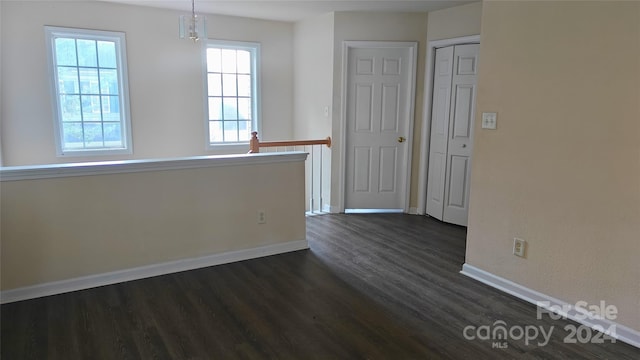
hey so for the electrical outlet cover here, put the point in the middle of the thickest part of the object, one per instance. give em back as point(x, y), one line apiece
point(519, 246)
point(262, 217)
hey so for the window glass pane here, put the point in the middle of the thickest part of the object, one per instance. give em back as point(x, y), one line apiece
point(108, 82)
point(87, 53)
point(65, 51)
point(228, 61)
point(68, 80)
point(89, 81)
point(229, 85)
point(244, 85)
point(72, 135)
point(215, 131)
point(113, 135)
point(91, 108)
point(244, 62)
point(244, 129)
point(230, 108)
point(230, 131)
point(110, 108)
point(214, 84)
point(215, 108)
point(93, 135)
point(70, 107)
point(107, 54)
point(244, 108)
point(214, 62)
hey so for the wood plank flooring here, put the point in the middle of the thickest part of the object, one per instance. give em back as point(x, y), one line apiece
point(376, 286)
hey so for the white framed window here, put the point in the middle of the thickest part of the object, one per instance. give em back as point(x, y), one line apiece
point(233, 98)
point(88, 69)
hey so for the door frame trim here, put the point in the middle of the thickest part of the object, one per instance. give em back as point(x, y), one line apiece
point(432, 46)
point(347, 46)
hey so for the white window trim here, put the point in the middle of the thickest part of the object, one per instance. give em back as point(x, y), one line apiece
point(51, 32)
point(254, 47)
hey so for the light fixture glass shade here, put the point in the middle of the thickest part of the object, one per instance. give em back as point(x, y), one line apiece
point(193, 27)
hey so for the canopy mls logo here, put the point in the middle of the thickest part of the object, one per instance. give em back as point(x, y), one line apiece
point(499, 333)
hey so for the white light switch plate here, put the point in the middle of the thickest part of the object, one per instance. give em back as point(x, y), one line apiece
point(519, 246)
point(489, 120)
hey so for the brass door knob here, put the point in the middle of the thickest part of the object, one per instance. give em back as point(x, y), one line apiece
point(401, 139)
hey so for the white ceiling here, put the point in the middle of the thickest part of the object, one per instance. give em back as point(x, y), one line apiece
point(295, 10)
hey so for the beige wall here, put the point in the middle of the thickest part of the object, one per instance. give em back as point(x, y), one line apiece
point(454, 22)
point(313, 57)
point(375, 27)
point(1, 82)
point(313, 74)
point(64, 228)
point(562, 171)
point(165, 77)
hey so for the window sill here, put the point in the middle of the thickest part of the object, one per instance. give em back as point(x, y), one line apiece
point(97, 152)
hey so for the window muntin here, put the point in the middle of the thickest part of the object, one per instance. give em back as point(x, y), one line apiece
point(90, 88)
point(232, 97)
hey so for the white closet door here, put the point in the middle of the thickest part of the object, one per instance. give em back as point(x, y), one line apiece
point(463, 106)
point(441, 106)
point(452, 135)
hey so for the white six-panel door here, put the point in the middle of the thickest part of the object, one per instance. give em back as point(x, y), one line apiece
point(452, 133)
point(379, 109)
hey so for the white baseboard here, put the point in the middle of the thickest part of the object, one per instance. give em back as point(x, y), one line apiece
point(373, 211)
point(413, 211)
point(86, 282)
point(326, 208)
point(622, 333)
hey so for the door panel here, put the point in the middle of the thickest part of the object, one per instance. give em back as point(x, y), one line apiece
point(364, 101)
point(457, 182)
point(467, 63)
point(388, 169)
point(378, 102)
point(463, 106)
point(364, 66)
point(436, 195)
point(390, 100)
point(362, 169)
point(441, 111)
point(391, 66)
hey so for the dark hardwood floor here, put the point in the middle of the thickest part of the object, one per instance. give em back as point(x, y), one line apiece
point(383, 286)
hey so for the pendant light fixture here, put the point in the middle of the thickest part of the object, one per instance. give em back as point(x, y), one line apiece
point(193, 26)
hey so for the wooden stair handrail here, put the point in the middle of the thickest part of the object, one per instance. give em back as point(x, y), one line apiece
point(255, 144)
